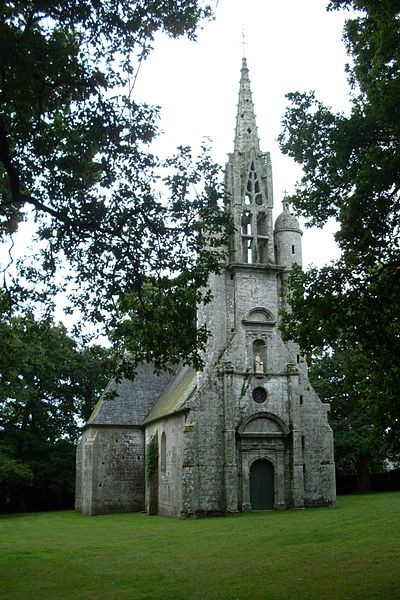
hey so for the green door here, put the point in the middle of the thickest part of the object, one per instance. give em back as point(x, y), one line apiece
point(261, 485)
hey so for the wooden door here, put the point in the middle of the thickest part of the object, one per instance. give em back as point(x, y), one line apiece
point(261, 485)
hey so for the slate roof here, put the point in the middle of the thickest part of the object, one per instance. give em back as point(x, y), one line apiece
point(176, 394)
point(133, 401)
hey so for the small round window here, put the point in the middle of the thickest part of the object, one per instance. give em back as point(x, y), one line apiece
point(259, 395)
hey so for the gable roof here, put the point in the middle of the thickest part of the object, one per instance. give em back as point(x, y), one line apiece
point(133, 399)
point(175, 396)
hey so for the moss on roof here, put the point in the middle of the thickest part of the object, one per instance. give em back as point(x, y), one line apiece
point(132, 400)
point(176, 394)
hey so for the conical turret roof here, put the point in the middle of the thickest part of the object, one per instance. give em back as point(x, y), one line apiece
point(286, 220)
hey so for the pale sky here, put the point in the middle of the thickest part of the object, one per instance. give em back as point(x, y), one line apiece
point(290, 45)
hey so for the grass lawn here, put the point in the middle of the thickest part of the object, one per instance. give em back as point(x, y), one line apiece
point(350, 551)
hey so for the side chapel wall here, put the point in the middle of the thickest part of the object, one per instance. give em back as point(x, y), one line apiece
point(110, 470)
point(169, 433)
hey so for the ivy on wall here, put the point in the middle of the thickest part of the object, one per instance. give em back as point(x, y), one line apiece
point(152, 457)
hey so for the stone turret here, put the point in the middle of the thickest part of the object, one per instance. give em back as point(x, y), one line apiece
point(287, 245)
point(287, 238)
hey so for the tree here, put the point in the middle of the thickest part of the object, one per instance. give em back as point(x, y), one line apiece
point(15, 478)
point(360, 438)
point(48, 385)
point(351, 167)
point(75, 158)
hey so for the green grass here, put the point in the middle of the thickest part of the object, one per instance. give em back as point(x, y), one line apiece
point(351, 551)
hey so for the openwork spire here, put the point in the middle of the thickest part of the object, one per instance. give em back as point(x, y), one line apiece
point(246, 136)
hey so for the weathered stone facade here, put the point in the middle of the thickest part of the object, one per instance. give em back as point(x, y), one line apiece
point(247, 433)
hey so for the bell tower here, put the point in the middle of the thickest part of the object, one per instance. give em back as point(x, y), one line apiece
point(268, 433)
point(249, 181)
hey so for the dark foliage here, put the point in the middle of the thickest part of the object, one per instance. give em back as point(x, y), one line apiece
point(48, 385)
point(109, 216)
point(351, 172)
point(360, 436)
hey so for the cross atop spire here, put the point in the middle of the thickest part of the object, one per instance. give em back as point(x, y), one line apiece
point(246, 129)
point(244, 43)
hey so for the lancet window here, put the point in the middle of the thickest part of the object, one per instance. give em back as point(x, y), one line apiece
point(163, 453)
point(262, 250)
point(248, 250)
point(253, 194)
point(247, 236)
point(261, 223)
point(246, 223)
point(262, 240)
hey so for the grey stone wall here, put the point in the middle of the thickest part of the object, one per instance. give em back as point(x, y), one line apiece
point(318, 456)
point(221, 454)
point(288, 248)
point(170, 471)
point(215, 316)
point(110, 470)
point(203, 459)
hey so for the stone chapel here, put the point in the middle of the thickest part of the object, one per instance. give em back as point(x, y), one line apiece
point(246, 433)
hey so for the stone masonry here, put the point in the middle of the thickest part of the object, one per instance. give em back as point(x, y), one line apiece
point(248, 432)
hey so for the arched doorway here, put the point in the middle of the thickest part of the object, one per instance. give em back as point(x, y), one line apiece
point(261, 485)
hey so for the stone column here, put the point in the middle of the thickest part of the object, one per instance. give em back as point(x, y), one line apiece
point(280, 480)
point(89, 475)
point(297, 475)
point(230, 460)
point(231, 472)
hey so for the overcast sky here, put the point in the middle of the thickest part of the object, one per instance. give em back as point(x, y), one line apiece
point(290, 45)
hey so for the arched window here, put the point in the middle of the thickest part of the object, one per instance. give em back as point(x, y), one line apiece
point(247, 250)
point(259, 356)
point(246, 223)
point(247, 237)
point(163, 453)
point(253, 194)
point(262, 224)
